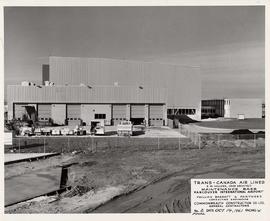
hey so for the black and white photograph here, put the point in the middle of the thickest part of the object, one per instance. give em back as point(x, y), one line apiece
point(131, 109)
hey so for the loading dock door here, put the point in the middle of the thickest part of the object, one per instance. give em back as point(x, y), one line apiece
point(137, 114)
point(73, 114)
point(156, 115)
point(44, 112)
point(118, 113)
point(59, 113)
point(19, 111)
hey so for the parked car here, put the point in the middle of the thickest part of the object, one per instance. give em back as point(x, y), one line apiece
point(56, 132)
point(65, 131)
point(79, 131)
point(26, 131)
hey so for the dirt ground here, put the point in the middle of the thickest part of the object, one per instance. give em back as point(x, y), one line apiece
point(249, 123)
point(127, 180)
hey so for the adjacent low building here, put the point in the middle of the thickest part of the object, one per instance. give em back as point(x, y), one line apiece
point(92, 89)
point(213, 108)
point(233, 108)
point(248, 108)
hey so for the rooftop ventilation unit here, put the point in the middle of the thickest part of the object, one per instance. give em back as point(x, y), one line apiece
point(48, 83)
point(25, 83)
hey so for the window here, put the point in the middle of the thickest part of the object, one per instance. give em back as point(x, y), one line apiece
point(184, 111)
point(100, 116)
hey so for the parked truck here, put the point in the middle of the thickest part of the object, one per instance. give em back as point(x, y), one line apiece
point(100, 128)
point(125, 128)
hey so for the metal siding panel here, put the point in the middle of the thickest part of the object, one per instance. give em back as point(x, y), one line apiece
point(183, 83)
point(77, 94)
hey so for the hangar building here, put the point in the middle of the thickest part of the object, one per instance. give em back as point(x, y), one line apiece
point(91, 89)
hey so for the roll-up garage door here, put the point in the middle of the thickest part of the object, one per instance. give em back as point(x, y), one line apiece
point(44, 112)
point(59, 113)
point(19, 111)
point(73, 112)
point(156, 115)
point(137, 111)
point(118, 113)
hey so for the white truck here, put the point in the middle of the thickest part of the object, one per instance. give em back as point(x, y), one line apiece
point(56, 132)
point(125, 128)
point(100, 128)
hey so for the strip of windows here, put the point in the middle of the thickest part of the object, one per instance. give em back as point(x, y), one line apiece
point(181, 111)
point(71, 118)
point(119, 119)
point(100, 116)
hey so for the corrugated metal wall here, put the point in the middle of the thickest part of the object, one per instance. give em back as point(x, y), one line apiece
point(77, 94)
point(183, 82)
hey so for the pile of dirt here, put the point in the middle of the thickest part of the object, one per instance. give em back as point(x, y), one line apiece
point(241, 131)
point(102, 180)
point(261, 132)
point(183, 119)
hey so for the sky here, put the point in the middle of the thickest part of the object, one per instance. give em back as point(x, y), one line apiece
point(226, 42)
